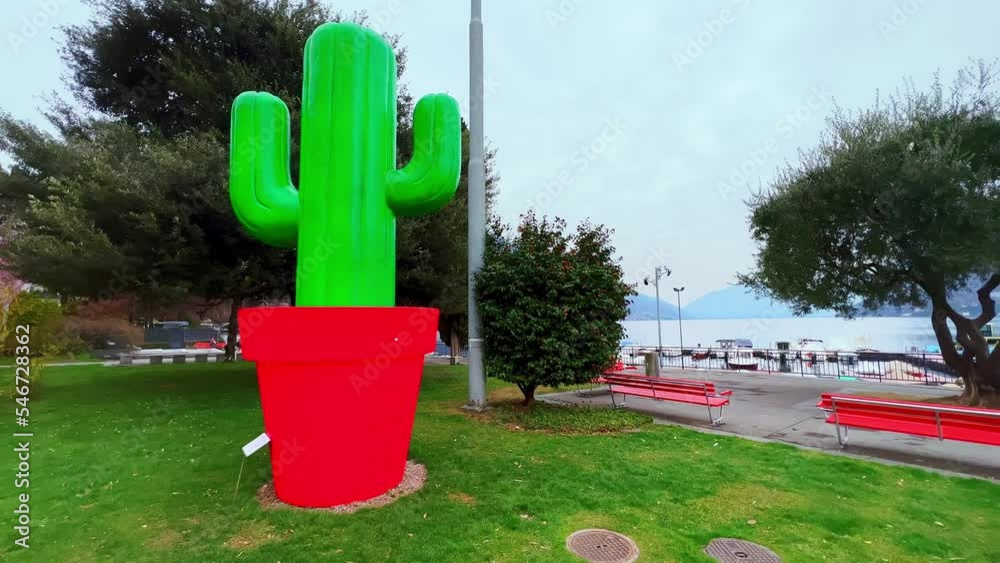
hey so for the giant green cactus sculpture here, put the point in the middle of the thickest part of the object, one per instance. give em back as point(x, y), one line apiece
point(343, 216)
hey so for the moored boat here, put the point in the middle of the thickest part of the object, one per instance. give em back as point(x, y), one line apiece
point(741, 358)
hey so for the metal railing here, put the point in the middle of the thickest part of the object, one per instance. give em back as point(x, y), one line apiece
point(915, 368)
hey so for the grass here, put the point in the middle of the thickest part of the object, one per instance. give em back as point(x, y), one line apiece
point(564, 419)
point(140, 464)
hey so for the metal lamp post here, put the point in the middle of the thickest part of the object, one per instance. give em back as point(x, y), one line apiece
point(680, 325)
point(477, 203)
point(658, 272)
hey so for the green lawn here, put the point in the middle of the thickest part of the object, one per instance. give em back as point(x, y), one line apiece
point(140, 464)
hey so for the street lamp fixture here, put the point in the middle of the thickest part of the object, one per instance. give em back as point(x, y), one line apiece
point(658, 272)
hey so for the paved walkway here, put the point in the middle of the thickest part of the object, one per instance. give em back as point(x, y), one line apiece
point(783, 408)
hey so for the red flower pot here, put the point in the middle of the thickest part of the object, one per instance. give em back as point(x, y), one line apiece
point(338, 388)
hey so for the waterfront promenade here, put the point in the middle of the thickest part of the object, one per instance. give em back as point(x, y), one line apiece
point(783, 408)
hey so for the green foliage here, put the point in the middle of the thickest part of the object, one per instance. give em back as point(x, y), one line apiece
point(175, 68)
point(898, 197)
point(551, 303)
point(123, 213)
point(898, 205)
point(98, 332)
point(42, 316)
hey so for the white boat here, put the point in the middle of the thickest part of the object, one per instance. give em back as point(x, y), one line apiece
point(846, 357)
point(722, 347)
point(811, 349)
point(742, 358)
point(736, 352)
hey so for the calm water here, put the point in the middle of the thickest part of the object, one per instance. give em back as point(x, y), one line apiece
point(888, 334)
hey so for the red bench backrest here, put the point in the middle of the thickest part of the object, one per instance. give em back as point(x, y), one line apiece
point(903, 411)
point(662, 384)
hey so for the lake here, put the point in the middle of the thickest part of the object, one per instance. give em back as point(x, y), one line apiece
point(888, 334)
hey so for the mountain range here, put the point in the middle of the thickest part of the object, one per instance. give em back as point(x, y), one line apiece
point(643, 308)
point(731, 302)
point(738, 302)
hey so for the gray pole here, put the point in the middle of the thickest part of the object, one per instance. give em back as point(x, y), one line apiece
point(659, 332)
point(680, 324)
point(477, 204)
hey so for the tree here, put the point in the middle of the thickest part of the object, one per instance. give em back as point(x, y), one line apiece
point(173, 69)
point(551, 303)
point(40, 314)
point(432, 255)
point(176, 67)
point(898, 205)
point(119, 213)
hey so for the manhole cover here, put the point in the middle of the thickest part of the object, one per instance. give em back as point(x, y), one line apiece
point(602, 545)
point(727, 550)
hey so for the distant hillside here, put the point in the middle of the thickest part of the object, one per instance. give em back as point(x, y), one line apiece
point(737, 302)
point(643, 308)
point(965, 301)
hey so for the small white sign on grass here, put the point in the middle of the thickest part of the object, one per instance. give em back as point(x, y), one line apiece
point(256, 444)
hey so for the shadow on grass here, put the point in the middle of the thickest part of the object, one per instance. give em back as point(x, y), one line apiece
point(563, 419)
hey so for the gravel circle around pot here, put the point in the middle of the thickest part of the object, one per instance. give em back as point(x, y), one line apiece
point(413, 480)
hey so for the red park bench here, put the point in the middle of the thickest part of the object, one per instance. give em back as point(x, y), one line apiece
point(944, 422)
point(690, 391)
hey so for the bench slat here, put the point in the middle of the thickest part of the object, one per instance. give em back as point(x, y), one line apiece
point(676, 397)
point(659, 382)
point(966, 424)
point(656, 380)
point(917, 429)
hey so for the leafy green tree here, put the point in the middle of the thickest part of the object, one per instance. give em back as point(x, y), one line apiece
point(124, 213)
point(898, 205)
point(551, 303)
point(175, 67)
point(42, 316)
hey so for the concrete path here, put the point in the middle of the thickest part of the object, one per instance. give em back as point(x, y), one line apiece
point(783, 408)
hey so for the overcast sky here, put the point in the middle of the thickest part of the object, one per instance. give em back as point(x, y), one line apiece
point(635, 114)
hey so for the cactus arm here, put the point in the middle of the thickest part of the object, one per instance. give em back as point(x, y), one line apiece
point(260, 187)
point(429, 181)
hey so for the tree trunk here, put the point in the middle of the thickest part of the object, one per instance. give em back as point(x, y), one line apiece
point(981, 387)
point(529, 393)
point(456, 347)
point(976, 365)
point(233, 329)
